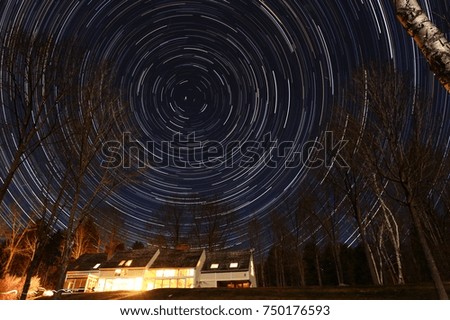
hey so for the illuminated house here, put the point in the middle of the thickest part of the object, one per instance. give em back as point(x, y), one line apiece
point(82, 275)
point(147, 269)
point(175, 269)
point(231, 269)
point(126, 270)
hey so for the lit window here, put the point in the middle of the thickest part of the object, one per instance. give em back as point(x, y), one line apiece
point(214, 266)
point(128, 263)
point(117, 272)
point(96, 266)
point(233, 265)
point(121, 263)
point(170, 273)
point(184, 272)
point(160, 273)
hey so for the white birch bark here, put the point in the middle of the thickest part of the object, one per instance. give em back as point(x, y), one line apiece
point(393, 231)
point(430, 40)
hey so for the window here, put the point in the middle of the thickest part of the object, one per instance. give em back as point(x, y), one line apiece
point(128, 263)
point(181, 283)
point(167, 273)
point(117, 272)
point(96, 266)
point(121, 263)
point(233, 265)
point(214, 266)
point(170, 273)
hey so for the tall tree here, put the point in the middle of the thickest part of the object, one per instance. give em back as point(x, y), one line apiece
point(212, 223)
point(430, 40)
point(331, 224)
point(309, 203)
point(174, 217)
point(403, 148)
point(100, 117)
point(111, 232)
point(277, 254)
point(36, 74)
point(52, 200)
point(17, 234)
point(351, 183)
point(86, 238)
point(360, 188)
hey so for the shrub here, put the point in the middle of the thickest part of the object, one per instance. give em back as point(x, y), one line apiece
point(10, 286)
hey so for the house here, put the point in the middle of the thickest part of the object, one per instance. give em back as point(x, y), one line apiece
point(176, 269)
point(126, 270)
point(82, 275)
point(147, 269)
point(231, 269)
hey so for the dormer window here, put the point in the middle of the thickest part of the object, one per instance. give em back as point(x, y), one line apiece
point(214, 266)
point(96, 266)
point(121, 263)
point(233, 265)
point(128, 263)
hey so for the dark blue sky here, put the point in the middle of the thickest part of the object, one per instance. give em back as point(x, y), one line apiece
point(225, 71)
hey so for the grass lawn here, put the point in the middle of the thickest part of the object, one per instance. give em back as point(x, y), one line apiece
point(407, 292)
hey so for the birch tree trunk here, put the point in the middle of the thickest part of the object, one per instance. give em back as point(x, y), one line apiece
point(393, 231)
point(318, 268)
point(430, 40)
point(435, 274)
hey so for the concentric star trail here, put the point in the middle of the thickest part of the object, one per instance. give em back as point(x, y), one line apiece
point(223, 71)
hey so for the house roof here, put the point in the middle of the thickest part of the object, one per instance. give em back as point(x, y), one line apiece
point(87, 262)
point(227, 261)
point(139, 258)
point(177, 259)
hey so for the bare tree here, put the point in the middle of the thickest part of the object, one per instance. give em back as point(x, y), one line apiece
point(78, 180)
point(361, 187)
point(36, 73)
point(111, 231)
point(430, 40)
point(300, 233)
point(280, 240)
point(16, 232)
point(52, 200)
point(99, 118)
point(174, 217)
point(309, 203)
point(403, 150)
point(51, 101)
point(212, 223)
point(86, 238)
point(330, 219)
point(390, 227)
point(351, 182)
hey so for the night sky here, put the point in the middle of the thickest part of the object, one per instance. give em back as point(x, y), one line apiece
point(223, 71)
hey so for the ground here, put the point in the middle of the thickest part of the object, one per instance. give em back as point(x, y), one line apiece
point(407, 292)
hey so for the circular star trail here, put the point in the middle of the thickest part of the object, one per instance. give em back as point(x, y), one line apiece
point(222, 72)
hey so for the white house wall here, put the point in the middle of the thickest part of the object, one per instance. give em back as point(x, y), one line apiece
point(209, 280)
point(198, 268)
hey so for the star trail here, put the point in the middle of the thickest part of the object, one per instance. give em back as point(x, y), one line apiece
point(222, 71)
